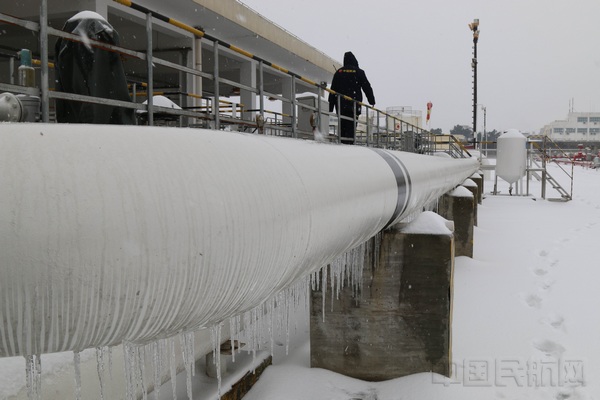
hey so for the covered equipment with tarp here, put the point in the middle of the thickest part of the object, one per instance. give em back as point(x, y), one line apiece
point(86, 69)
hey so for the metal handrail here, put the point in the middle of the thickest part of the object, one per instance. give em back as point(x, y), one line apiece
point(377, 135)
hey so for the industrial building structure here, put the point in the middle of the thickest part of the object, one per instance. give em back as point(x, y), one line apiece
point(577, 128)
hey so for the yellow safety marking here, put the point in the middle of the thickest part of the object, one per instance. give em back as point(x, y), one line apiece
point(238, 50)
point(188, 28)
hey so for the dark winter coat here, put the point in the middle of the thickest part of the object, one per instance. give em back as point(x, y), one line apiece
point(90, 71)
point(351, 81)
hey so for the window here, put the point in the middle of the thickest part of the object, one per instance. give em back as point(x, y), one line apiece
point(595, 120)
point(558, 130)
point(570, 130)
point(594, 131)
point(582, 130)
point(582, 120)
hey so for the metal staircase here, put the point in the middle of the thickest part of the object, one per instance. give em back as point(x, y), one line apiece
point(545, 147)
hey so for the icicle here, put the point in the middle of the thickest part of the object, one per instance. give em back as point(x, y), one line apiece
point(188, 360)
point(233, 334)
point(216, 336)
point(173, 367)
point(77, 365)
point(361, 265)
point(33, 371)
point(129, 360)
point(238, 323)
point(254, 337)
point(288, 305)
point(248, 330)
point(29, 376)
point(38, 376)
point(271, 311)
point(110, 361)
point(192, 350)
point(157, 361)
point(341, 281)
point(141, 371)
point(323, 289)
point(100, 354)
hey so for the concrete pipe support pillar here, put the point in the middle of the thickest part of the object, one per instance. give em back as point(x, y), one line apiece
point(474, 189)
point(478, 179)
point(459, 206)
point(400, 323)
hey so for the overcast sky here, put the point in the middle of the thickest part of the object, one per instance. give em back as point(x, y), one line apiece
point(535, 56)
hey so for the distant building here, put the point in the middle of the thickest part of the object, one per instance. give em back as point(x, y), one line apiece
point(580, 127)
point(406, 114)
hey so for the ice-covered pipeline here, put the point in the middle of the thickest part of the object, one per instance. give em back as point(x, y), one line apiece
point(114, 233)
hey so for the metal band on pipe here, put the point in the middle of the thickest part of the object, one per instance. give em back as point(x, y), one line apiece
point(402, 181)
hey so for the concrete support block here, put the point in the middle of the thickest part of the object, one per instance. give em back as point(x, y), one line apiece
point(474, 189)
point(478, 179)
point(399, 324)
point(459, 206)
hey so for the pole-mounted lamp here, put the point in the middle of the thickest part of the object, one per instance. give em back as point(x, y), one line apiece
point(474, 27)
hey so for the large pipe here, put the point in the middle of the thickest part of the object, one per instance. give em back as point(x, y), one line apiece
point(112, 234)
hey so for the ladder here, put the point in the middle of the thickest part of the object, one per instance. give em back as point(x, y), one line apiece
point(565, 196)
point(548, 144)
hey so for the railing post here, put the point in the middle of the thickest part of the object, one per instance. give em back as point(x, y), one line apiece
point(387, 130)
point(45, 86)
point(150, 87)
point(183, 87)
point(216, 85)
point(378, 130)
point(544, 169)
point(294, 112)
point(368, 130)
point(339, 116)
point(261, 89)
point(354, 121)
point(319, 114)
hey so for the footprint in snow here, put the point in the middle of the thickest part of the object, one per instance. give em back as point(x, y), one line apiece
point(549, 348)
point(547, 284)
point(566, 393)
point(556, 321)
point(543, 253)
point(540, 271)
point(562, 395)
point(534, 301)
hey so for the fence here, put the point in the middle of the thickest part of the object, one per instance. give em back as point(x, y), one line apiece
point(210, 109)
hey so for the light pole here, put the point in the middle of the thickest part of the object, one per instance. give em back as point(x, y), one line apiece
point(484, 108)
point(474, 26)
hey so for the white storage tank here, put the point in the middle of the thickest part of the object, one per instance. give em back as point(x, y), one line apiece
point(512, 156)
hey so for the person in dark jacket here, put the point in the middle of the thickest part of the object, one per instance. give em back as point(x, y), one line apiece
point(351, 81)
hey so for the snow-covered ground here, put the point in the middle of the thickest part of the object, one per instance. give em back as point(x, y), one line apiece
point(525, 326)
point(526, 320)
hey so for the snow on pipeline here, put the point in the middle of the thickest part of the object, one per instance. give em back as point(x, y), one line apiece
point(133, 235)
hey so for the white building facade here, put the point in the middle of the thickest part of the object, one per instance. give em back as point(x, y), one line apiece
point(579, 127)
